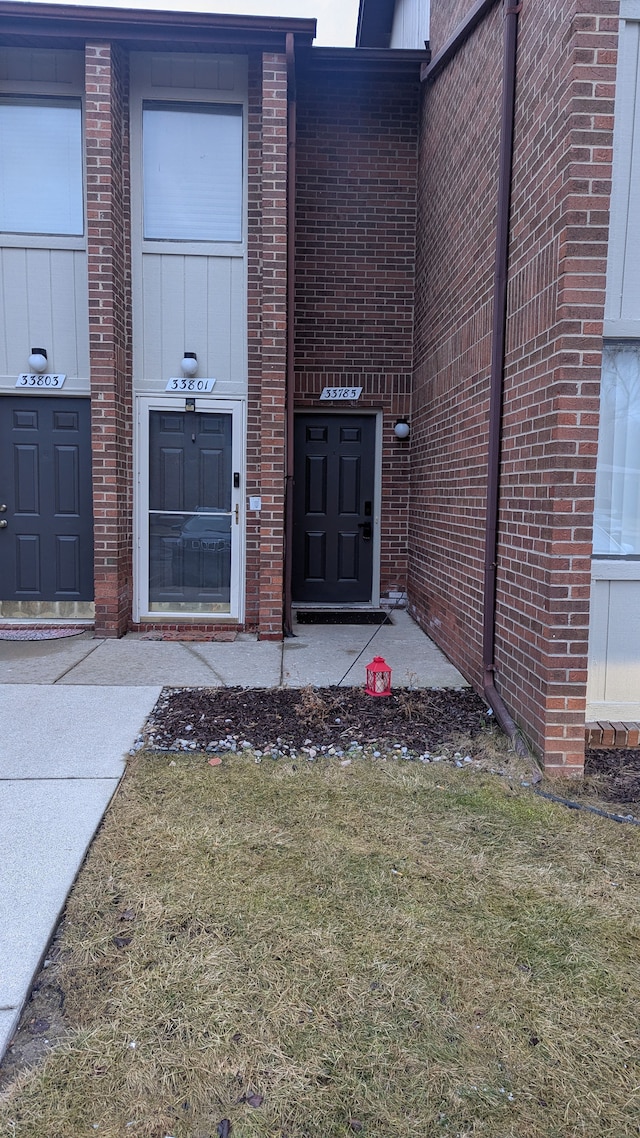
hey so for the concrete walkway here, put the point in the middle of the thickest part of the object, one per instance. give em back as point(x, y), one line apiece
point(71, 708)
point(318, 654)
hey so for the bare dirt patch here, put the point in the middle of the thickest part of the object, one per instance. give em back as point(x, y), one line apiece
point(614, 774)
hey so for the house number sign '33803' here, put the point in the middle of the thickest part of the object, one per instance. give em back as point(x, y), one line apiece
point(28, 379)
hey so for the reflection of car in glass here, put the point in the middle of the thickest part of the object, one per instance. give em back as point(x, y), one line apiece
point(207, 534)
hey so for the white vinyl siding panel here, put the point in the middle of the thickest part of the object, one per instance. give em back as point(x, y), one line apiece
point(194, 304)
point(190, 291)
point(22, 67)
point(44, 302)
point(410, 24)
point(187, 74)
point(614, 663)
point(623, 266)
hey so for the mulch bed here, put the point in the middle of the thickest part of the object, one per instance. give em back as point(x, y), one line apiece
point(286, 720)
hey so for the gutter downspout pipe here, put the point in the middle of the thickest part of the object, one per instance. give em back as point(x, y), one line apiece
point(290, 304)
point(497, 376)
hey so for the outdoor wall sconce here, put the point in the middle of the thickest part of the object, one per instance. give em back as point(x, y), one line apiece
point(401, 429)
point(189, 363)
point(38, 360)
point(378, 677)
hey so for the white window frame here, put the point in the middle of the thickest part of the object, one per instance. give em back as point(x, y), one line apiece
point(74, 190)
point(621, 318)
point(73, 89)
point(143, 93)
point(222, 121)
point(237, 409)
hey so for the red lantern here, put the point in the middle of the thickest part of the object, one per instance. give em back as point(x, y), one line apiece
point(378, 677)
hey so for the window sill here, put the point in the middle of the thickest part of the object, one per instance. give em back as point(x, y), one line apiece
point(37, 241)
point(194, 248)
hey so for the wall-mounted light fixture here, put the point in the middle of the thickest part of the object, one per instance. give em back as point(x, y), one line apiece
point(401, 429)
point(189, 363)
point(38, 360)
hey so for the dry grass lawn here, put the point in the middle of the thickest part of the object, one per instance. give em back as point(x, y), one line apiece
point(319, 950)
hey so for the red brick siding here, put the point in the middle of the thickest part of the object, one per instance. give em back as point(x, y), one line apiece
point(456, 244)
point(559, 218)
point(109, 269)
point(273, 342)
point(254, 343)
point(444, 19)
point(355, 255)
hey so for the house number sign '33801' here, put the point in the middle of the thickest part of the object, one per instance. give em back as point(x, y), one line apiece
point(181, 383)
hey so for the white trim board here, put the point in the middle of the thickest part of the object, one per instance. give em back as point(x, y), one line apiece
point(605, 712)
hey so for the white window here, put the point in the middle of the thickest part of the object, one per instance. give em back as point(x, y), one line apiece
point(192, 172)
point(617, 509)
point(41, 166)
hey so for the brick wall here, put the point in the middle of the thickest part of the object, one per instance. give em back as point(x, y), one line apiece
point(559, 218)
point(355, 257)
point(254, 334)
point(109, 269)
point(273, 347)
point(444, 19)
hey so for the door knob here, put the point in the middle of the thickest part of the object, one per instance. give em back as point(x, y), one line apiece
point(366, 530)
point(2, 508)
point(4, 523)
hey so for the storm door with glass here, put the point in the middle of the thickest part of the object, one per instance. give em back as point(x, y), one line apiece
point(193, 512)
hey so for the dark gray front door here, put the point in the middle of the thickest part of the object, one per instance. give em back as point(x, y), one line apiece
point(333, 508)
point(46, 548)
point(190, 516)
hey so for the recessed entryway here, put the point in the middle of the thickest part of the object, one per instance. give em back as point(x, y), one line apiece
point(334, 509)
point(190, 517)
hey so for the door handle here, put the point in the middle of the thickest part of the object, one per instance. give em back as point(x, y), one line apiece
point(366, 530)
point(4, 523)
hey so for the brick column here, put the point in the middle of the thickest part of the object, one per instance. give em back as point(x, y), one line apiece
point(274, 343)
point(569, 465)
point(108, 247)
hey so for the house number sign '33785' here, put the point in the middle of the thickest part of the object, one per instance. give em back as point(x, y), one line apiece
point(341, 393)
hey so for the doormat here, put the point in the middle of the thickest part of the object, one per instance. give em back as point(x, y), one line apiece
point(354, 616)
point(39, 633)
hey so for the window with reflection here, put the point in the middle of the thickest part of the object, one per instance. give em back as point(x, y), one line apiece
point(617, 508)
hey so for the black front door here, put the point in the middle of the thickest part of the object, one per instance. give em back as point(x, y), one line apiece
point(190, 515)
point(46, 546)
point(333, 508)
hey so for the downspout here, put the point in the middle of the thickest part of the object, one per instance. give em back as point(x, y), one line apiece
point(497, 377)
point(290, 379)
